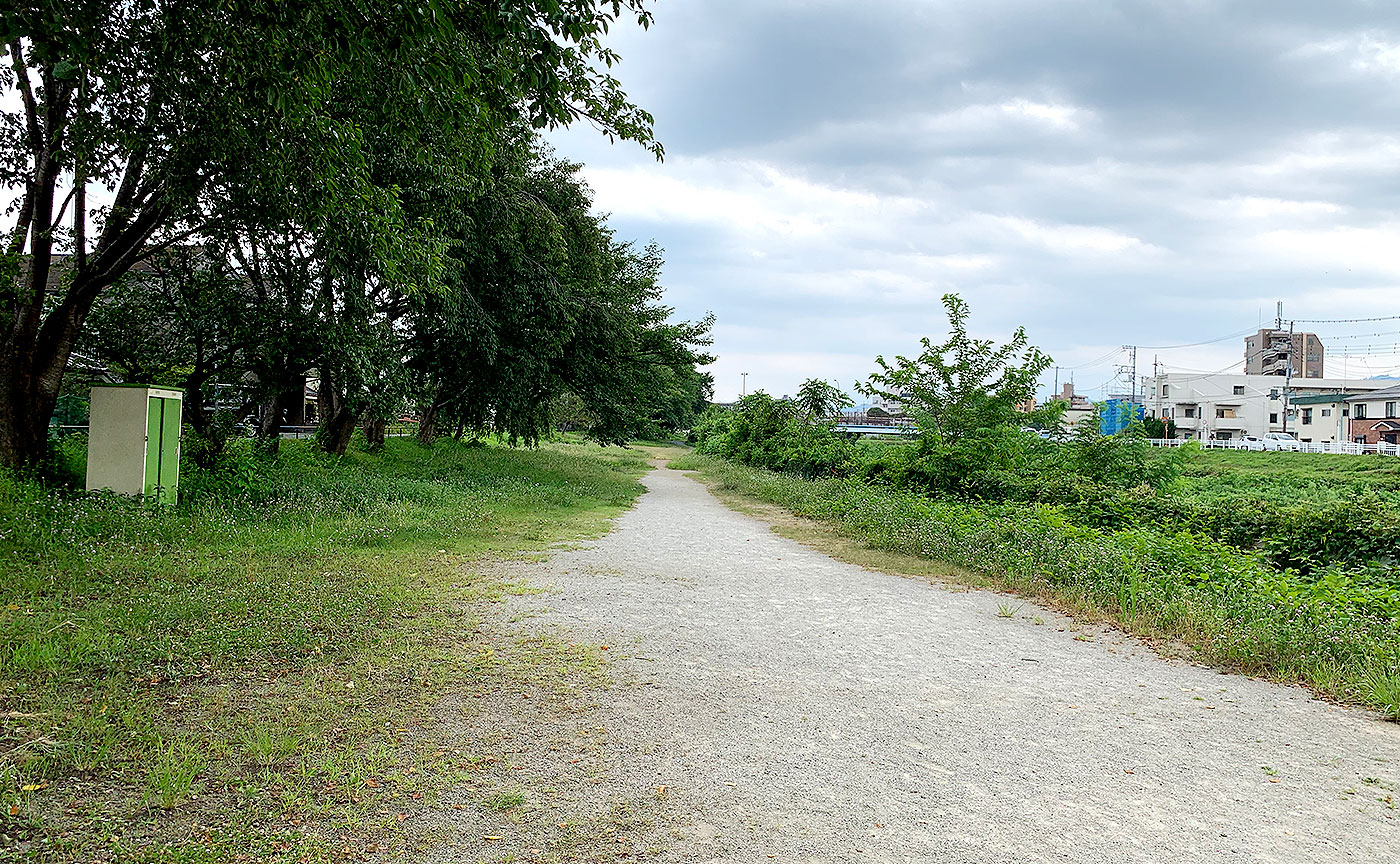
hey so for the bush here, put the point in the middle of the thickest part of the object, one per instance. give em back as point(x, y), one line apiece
point(771, 433)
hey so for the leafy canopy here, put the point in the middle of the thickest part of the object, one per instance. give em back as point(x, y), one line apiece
point(963, 384)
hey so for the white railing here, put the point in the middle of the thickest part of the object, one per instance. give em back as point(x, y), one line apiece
point(1347, 447)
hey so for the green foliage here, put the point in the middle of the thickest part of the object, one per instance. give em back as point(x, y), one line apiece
point(543, 301)
point(1155, 427)
point(963, 385)
point(817, 399)
point(775, 434)
point(308, 150)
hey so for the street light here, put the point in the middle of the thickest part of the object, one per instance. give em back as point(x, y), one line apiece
point(744, 388)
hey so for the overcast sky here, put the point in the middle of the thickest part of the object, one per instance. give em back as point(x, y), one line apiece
point(1103, 173)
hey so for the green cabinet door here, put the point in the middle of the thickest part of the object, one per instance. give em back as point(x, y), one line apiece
point(154, 426)
point(170, 451)
point(162, 449)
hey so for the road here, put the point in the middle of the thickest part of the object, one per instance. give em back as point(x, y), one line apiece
point(793, 707)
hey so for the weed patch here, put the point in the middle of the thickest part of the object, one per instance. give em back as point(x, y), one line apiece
point(247, 673)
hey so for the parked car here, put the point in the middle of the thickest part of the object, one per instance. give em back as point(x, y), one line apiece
point(1281, 441)
point(1251, 442)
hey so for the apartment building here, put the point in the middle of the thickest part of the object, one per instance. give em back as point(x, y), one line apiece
point(1273, 351)
point(1223, 407)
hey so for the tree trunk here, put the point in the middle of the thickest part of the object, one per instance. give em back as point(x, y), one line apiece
point(337, 430)
point(428, 420)
point(337, 420)
point(270, 425)
point(24, 413)
point(376, 432)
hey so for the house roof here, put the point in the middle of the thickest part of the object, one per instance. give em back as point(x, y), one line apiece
point(1386, 426)
point(1322, 398)
point(1387, 393)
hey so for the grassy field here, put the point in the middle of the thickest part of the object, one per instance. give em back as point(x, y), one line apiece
point(241, 677)
point(1148, 568)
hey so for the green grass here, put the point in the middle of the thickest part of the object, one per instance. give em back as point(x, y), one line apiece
point(243, 664)
point(1225, 605)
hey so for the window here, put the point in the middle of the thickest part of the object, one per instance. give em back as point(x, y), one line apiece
point(1359, 412)
point(1239, 389)
point(1326, 412)
point(1164, 389)
point(1390, 410)
point(1273, 417)
point(1189, 413)
point(1307, 416)
point(1225, 413)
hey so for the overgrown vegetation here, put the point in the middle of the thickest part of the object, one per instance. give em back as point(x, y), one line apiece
point(1278, 564)
point(247, 673)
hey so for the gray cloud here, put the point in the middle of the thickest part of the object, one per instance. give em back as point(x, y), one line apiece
point(1103, 173)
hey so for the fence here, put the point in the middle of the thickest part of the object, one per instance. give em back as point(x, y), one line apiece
point(1347, 447)
point(400, 429)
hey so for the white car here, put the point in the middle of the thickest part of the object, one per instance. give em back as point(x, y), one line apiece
point(1250, 442)
point(1281, 441)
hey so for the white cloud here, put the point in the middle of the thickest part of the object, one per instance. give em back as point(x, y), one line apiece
point(1073, 240)
point(1368, 52)
point(1253, 207)
point(1374, 249)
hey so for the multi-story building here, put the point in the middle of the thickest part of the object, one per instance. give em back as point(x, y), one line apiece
point(1271, 351)
point(1230, 406)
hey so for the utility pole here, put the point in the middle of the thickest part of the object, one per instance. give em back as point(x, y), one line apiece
point(1131, 370)
point(1288, 369)
point(1157, 388)
point(744, 387)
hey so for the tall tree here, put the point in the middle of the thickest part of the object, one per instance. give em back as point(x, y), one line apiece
point(165, 107)
point(544, 301)
point(962, 384)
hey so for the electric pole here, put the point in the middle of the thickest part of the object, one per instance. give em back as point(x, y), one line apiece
point(1287, 369)
point(1130, 369)
point(744, 387)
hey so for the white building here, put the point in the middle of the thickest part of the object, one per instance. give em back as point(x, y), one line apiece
point(1207, 406)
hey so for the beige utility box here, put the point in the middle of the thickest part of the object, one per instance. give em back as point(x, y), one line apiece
point(134, 441)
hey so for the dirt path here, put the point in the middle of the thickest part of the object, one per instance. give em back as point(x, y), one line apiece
point(796, 708)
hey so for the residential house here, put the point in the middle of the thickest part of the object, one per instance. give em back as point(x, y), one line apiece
point(1374, 417)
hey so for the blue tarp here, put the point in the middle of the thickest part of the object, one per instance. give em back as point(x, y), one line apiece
point(1115, 415)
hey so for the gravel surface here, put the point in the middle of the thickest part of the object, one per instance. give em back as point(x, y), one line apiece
point(797, 708)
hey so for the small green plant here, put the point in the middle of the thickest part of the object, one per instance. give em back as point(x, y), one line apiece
point(1272, 772)
point(1384, 689)
point(504, 801)
point(174, 768)
point(1005, 610)
point(267, 745)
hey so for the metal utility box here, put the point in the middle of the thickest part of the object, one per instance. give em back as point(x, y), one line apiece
point(134, 441)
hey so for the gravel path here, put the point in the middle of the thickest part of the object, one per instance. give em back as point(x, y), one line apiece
point(801, 709)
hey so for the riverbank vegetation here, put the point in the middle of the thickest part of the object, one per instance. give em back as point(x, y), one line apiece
point(1276, 564)
point(251, 672)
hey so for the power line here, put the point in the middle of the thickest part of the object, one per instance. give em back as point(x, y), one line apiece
point(1345, 320)
point(1244, 332)
point(1098, 361)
